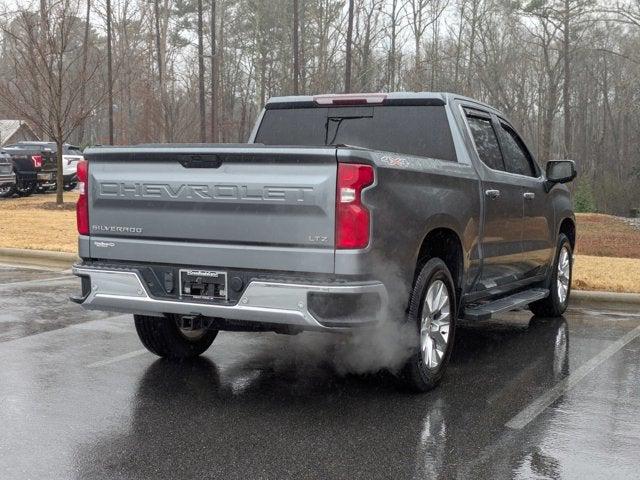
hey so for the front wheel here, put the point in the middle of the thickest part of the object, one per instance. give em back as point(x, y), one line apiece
point(173, 336)
point(432, 309)
point(560, 285)
point(6, 191)
point(69, 186)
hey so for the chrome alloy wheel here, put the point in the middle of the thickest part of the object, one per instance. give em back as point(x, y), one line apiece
point(564, 274)
point(434, 327)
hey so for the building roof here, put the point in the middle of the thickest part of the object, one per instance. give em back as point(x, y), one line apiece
point(8, 129)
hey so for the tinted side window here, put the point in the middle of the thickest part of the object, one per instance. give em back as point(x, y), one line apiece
point(516, 157)
point(486, 142)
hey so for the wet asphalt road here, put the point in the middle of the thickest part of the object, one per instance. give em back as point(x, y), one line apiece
point(523, 398)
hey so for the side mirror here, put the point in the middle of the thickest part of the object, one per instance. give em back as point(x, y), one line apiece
point(560, 171)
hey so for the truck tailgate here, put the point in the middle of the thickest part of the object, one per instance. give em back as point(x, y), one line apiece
point(214, 206)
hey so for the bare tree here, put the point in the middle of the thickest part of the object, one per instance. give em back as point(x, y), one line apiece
point(85, 60)
point(423, 13)
point(568, 20)
point(214, 74)
point(395, 26)
point(348, 57)
point(296, 47)
point(161, 59)
point(48, 47)
point(201, 94)
point(109, 73)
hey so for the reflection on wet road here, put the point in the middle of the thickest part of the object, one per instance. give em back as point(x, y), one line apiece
point(78, 399)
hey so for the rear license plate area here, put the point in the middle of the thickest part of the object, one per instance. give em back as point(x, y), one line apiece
point(203, 284)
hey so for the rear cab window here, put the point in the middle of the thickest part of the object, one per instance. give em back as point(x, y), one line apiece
point(71, 150)
point(412, 130)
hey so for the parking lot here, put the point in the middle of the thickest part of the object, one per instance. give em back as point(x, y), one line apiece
point(523, 398)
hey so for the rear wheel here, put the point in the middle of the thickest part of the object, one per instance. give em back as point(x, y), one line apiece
point(6, 191)
point(69, 186)
point(25, 190)
point(174, 336)
point(432, 309)
point(560, 285)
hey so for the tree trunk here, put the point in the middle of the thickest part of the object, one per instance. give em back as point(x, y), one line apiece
point(59, 175)
point(203, 113)
point(161, 85)
point(456, 75)
point(263, 76)
point(547, 127)
point(566, 85)
point(109, 73)
point(296, 48)
point(85, 58)
point(214, 75)
point(472, 44)
point(347, 73)
point(221, 117)
point(418, 61)
point(392, 51)
point(302, 37)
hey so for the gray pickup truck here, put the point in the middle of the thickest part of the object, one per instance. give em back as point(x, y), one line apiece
point(342, 213)
point(7, 177)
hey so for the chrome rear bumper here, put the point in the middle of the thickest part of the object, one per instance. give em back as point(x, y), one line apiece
point(262, 302)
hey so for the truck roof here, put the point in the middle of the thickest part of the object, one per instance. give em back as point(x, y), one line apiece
point(369, 98)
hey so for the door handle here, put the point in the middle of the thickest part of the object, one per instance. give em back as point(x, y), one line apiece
point(529, 195)
point(492, 193)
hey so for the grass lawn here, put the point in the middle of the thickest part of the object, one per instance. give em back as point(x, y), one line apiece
point(36, 223)
point(607, 253)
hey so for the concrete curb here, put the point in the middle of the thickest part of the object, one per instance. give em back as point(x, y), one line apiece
point(65, 260)
point(45, 258)
point(585, 296)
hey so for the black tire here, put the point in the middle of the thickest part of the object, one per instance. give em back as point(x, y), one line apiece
point(70, 186)
point(161, 336)
point(553, 306)
point(25, 191)
point(416, 375)
point(7, 192)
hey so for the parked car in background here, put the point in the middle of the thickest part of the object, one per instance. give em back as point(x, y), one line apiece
point(7, 177)
point(43, 159)
point(71, 155)
point(24, 169)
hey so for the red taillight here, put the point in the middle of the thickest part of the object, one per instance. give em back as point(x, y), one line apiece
point(352, 217)
point(37, 161)
point(82, 207)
